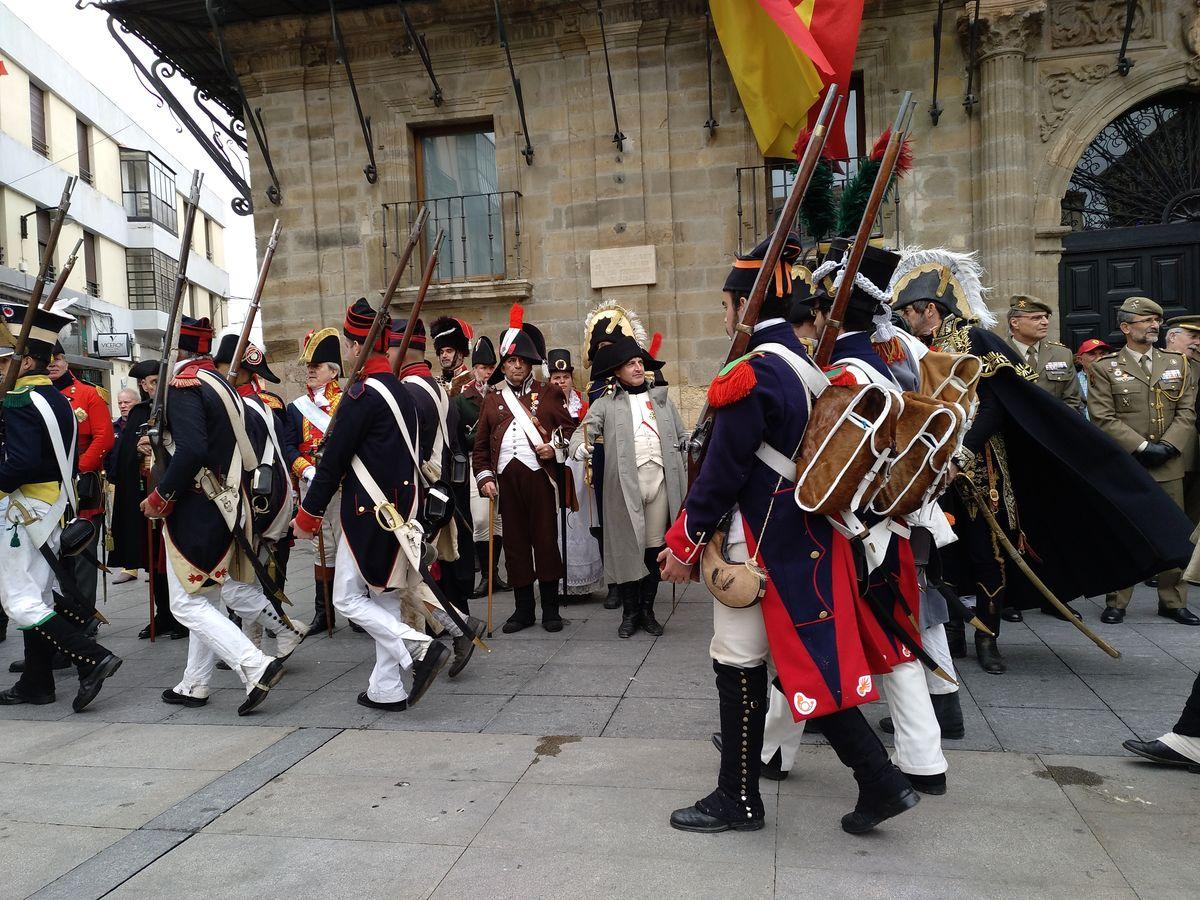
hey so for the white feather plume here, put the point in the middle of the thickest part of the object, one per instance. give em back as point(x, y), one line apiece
point(964, 267)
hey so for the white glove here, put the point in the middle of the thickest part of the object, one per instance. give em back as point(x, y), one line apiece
point(308, 475)
point(582, 452)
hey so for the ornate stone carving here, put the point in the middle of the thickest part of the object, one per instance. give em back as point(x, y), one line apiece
point(1084, 23)
point(1012, 32)
point(1062, 90)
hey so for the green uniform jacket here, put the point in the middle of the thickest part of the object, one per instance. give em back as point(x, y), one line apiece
point(1132, 407)
point(1055, 370)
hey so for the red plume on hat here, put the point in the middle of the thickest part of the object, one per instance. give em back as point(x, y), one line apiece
point(656, 344)
point(516, 316)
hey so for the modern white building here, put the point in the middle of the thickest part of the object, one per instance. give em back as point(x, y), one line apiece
point(127, 208)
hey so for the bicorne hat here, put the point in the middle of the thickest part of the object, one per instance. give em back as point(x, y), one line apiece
point(519, 339)
point(484, 353)
point(253, 359)
point(322, 346)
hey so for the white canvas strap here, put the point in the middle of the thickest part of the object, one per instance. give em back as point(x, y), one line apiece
point(237, 417)
point(814, 381)
point(521, 417)
point(309, 410)
point(443, 407)
point(65, 460)
point(272, 451)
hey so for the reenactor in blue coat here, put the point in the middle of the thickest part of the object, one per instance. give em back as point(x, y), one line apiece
point(36, 473)
point(807, 621)
point(202, 498)
point(378, 555)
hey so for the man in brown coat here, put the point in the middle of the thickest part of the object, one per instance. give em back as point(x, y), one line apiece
point(1145, 400)
point(514, 461)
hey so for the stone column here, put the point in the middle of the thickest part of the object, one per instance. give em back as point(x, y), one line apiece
point(1006, 189)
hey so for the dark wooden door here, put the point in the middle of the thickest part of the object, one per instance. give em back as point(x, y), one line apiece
point(1100, 269)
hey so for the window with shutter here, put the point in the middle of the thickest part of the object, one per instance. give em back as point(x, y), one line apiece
point(83, 140)
point(89, 264)
point(37, 119)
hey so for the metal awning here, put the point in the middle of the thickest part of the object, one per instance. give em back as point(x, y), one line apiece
point(179, 32)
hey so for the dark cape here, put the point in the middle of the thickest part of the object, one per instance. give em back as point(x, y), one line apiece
point(1092, 518)
point(123, 467)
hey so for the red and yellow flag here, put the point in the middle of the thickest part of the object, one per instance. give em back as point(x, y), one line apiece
point(782, 54)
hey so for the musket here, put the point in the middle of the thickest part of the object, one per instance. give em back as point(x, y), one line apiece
point(255, 302)
point(170, 341)
point(418, 302)
point(61, 280)
point(414, 238)
point(969, 487)
point(697, 445)
point(854, 256)
point(21, 340)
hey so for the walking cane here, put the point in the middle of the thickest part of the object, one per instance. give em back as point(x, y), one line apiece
point(491, 557)
point(325, 581)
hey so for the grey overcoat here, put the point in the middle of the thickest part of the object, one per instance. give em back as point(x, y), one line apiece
point(611, 420)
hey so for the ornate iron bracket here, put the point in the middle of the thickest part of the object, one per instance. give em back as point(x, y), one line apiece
point(969, 99)
point(935, 108)
point(211, 141)
point(274, 194)
point(618, 135)
point(712, 124)
point(1124, 63)
point(364, 122)
point(527, 150)
point(418, 42)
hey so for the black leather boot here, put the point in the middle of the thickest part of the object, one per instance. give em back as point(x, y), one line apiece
point(948, 709)
point(481, 564)
point(736, 803)
point(988, 654)
point(93, 661)
point(956, 637)
point(524, 615)
point(323, 619)
point(648, 588)
point(551, 619)
point(3, 626)
point(631, 606)
point(883, 791)
point(613, 599)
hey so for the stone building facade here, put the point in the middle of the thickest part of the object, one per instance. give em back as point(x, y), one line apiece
point(990, 176)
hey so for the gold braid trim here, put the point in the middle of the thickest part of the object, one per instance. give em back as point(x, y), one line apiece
point(954, 336)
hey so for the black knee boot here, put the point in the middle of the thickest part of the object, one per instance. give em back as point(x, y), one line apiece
point(93, 662)
point(987, 651)
point(525, 614)
point(883, 791)
point(630, 593)
point(736, 803)
point(649, 590)
point(3, 626)
point(948, 709)
point(481, 560)
point(323, 616)
point(956, 638)
point(551, 619)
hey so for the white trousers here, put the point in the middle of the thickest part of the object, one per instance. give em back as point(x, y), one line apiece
point(933, 639)
point(379, 614)
point(480, 507)
point(918, 735)
point(213, 636)
point(331, 527)
point(26, 582)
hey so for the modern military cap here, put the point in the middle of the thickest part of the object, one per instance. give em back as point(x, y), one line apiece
point(1026, 303)
point(1191, 323)
point(1141, 306)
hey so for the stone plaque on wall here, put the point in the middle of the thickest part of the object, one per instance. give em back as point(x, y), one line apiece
point(623, 266)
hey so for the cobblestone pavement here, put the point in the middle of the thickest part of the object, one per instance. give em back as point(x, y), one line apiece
point(549, 767)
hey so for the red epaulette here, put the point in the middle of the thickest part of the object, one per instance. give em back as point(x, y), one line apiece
point(188, 376)
point(274, 401)
point(733, 383)
point(840, 376)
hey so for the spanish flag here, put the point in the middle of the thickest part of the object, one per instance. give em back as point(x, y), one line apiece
point(781, 61)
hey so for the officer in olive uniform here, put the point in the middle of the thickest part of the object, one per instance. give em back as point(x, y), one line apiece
point(1145, 400)
point(1054, 365)
point(1183, 336)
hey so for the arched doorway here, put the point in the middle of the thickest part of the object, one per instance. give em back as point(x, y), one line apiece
point(1133, 204)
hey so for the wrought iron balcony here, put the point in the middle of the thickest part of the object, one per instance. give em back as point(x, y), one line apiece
point(40, 146)
point(85, 175)
point(483, 236)
point(762, 191)
point(93, 289)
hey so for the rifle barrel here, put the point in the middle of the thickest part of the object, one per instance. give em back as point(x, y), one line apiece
point(61, 281)
point(239, 351)
point(426, 277)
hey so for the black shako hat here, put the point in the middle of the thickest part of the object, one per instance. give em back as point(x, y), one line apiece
point(870, 291)
point(484, 353)
point(322, 346)
point(612, 356)
point(559, 361)
point(448, 331)
point(741, 277)
point(359, 316)
point(43, 336)
point(196, 335)
point(418, 341)
point(253, 359)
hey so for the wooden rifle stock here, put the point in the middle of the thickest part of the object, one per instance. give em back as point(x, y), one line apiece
point(883, 180)
point(697, 444)
point(239, 351)
point(426, 277)
point(61, 281)
point(21, 340)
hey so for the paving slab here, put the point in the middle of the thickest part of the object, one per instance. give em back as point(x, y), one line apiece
point(1155, 853)
point(632, 762)
point(418, 755)
point(254, 866)
point(672, 719)
point(445, 712)
point(33, 854)
point(822, 883)
point(25, 741)
point(553, 715)
point(1085, 731)
point(215, 748)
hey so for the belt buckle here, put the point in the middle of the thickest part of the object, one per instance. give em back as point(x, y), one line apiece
point(388, 517)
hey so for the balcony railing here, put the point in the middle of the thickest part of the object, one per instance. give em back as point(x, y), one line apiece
point(483, 236)
point(93, 289)
point(762, 191)
point(40, 146)
point(51, 273)
point(85, 175)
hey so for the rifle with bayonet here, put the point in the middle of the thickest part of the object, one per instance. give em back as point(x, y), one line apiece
point(697, 445)
point(21, 339)
point(239, 351)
